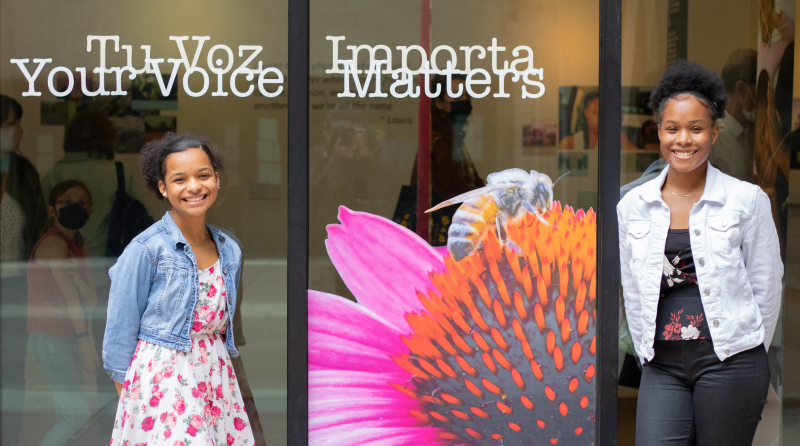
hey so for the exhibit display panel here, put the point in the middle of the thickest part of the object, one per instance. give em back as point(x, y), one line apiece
point(92, 82)
point(474, 323)
point(750, 44)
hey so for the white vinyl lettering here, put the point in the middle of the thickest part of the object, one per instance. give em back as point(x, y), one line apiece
point(335, 63)
point(472, 81)
point(423, 57)
point(85, 88)
point(540, 93)
point(217, 63)
point(372, 50)
point(409, 82)
point(406, 82)
point(188, 90)
point(435, 52)
point(31, 78)
point(102, 70)
point(263, 79)
point(52, 75)
point(404, 77)
point(215, 66)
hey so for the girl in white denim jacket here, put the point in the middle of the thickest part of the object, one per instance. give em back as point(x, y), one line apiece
point(701, 277)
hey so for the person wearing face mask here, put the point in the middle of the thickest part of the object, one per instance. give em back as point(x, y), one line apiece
point(90, 140)
point(22, 219)
point(22, 202)
point(451, 170)
point(732, 153)
point(60, 296)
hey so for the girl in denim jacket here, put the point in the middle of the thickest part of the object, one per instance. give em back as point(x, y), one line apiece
point(169, 338)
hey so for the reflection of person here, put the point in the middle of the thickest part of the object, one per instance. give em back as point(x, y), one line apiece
point(587, 132)
point(23, 216)
point(60, 291)
point(22, 203)
point(774, 86)
point(732, 153)
point(90, 139)
point(168, 337)
point(707, 241)
point(451, 169)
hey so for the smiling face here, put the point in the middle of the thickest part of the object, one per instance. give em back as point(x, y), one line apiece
point(190, 182)
point(687, 132)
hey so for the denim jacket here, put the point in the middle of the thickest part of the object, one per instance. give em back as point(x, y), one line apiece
point(736, 255)
point(154, 289)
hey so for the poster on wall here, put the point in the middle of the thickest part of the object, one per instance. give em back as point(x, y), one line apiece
point(578, 119)
point(488, 340)
point(539, 137)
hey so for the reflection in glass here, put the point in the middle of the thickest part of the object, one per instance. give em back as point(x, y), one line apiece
point(22, 219)
point(61, 295)
point(81, 136)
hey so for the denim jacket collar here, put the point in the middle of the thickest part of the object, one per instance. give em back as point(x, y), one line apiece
point(176, 236)
point(714, 189)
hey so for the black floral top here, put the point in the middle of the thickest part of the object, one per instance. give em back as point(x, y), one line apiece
point(680, 313)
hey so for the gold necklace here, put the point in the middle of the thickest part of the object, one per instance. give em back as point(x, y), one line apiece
point(679, 195)
point(201, 244)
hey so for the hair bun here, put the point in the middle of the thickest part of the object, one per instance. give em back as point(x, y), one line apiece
point(688, 77)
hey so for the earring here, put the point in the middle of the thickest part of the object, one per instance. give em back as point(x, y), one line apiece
point(219, 186)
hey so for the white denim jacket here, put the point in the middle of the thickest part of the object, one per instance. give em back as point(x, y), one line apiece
point(736, 257)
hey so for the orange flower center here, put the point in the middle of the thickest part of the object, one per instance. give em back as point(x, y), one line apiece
point(505, 353)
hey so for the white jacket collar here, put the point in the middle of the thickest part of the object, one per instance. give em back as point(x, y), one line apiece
point(714, 189)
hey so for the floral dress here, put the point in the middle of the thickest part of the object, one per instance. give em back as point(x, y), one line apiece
point(177, 398)
point(680, 314)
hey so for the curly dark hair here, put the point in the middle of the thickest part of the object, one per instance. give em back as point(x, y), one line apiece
point(154, 155)
point(688, 78)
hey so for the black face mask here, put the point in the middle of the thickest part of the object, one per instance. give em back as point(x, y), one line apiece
point(459, 110)
point(73, 216)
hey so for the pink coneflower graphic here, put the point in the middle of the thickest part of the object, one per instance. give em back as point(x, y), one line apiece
point(496, 349)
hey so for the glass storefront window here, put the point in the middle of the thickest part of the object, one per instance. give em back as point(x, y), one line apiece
point(400, 319)
point(498, 327)
point(228, 84)
point(750, 44)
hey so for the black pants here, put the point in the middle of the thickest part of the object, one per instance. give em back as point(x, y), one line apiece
point(688, 396)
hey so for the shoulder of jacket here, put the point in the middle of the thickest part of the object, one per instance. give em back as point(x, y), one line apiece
point(631, 200)
point(153, 237)
point(741, 192)
point(233, 245)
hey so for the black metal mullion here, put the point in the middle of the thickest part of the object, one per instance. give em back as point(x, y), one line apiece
point(610, 120)
point(298, 198)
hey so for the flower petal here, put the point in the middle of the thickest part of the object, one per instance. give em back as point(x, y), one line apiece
point(343, 335)
point(382, 263)
point(364, 435)
point(339, 397)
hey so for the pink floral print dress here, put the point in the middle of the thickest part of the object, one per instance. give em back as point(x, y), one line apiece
point(178, 398)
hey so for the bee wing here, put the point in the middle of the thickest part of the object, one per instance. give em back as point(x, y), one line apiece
point(469, 196)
